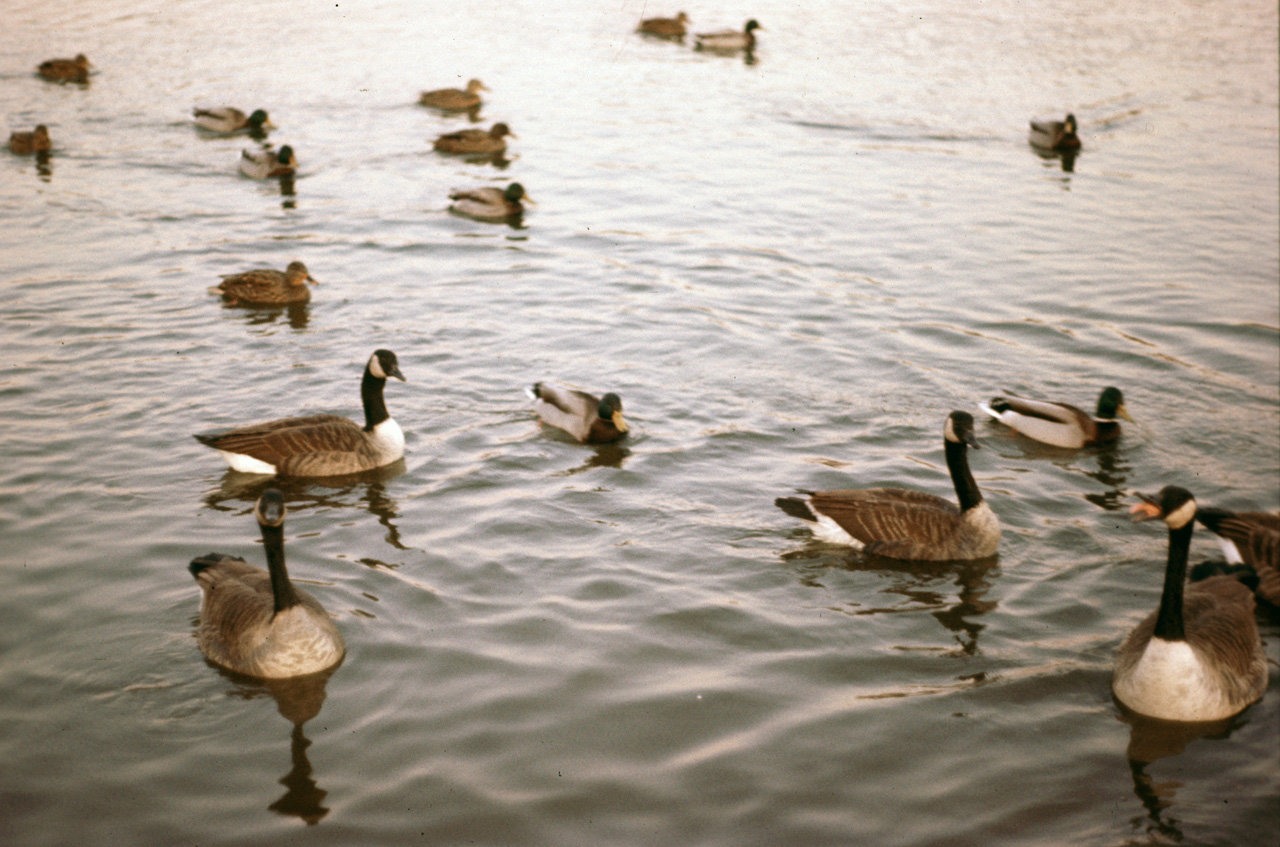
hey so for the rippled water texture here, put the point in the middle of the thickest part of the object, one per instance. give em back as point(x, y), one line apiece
point(790, 269)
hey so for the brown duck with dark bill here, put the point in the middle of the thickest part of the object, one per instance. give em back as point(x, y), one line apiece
point(475, 141)
point(65, 70)
point(26, 143)
point(266, 287)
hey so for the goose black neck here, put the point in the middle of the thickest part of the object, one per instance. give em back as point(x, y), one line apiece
point(281, 587)
point(375, 408)
point(1169, 618)
point(958, 463)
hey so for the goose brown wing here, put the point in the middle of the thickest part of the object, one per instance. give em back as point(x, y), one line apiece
point(275, 441)
point(237, 599)
point(884, 515)
point(1257, 537)
point(1218, 617)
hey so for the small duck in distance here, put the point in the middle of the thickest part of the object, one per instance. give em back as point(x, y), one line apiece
point(475, 141)
point(265, 164)
point(257, 622)
point(1061, 424)
point(489, 204)
point(454, 99)
point(264, 287)
point(590, 419)
point(65, 70)
point(226, 119)
point(664, 27)
point(728, 40)
point(1058, 136)
point(26, 143)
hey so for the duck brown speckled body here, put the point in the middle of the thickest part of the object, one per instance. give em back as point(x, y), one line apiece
point(264, 287)
point(26, 143)
point(65, 70)
point(475, 141)
point(454, 99)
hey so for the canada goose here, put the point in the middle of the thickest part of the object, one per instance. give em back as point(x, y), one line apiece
point(1198, 656)
point(1251, 539)
point(489, 204)
point(899, 523)
point(728, 40)
point(26, 143)
point(65, 70)
point(228, 119)
point(267, 287)
point(257, 622)
point(320, 445)
point(665, 27)
point(1054, 135)
point(1058, 423)
point(454, 99)
point(264, 164)
point(590, 419)
point(475, 141)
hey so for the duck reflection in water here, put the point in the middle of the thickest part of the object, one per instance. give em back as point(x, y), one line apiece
point(1151, 740)
point(1113, 472)
point(918, 582)
point(367, 489)
point(299, 700)
point(602, 456)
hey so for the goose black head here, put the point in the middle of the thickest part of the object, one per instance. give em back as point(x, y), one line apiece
point(269, 510)
point(1174, 505)
point(383, 364)
point(959, 429)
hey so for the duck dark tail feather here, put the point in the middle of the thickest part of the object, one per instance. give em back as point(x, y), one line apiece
point(797, 507)
point(1243, 573)
point(199, 563)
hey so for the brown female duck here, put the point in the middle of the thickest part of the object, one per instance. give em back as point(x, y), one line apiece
point(266, 287)
point(475, 141)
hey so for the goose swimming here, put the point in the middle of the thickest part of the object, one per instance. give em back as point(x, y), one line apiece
point(320, 445)
point(258, 622)
point(899, 523)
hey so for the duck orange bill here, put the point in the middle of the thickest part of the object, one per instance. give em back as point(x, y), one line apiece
point(1145, 511)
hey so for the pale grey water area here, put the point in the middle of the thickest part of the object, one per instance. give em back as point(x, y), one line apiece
point(791, 270)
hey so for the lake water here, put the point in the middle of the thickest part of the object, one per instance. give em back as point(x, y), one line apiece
point(790, 269)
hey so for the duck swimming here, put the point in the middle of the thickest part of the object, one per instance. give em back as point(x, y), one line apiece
point(265, 287)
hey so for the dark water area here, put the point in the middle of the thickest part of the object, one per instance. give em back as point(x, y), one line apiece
point(790, 268)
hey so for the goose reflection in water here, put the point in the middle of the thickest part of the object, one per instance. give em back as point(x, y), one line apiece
point(299, 700)
point(367, 489)
point(919, 582)
point(1151, 740)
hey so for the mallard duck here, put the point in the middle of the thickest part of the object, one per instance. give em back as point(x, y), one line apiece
point(475, 141)
point(1252, 540)
point(665, 27)
point(900, 523)
point(228, 119)
point(590, 419)
point(65, 70)
point(454, 99)
point(26, 143)
point(1198, 656)
point(489, 204)
point(257, 622)
point(1060, 424)
point(320, 445)
point(1055, 135)
point(265, 164)
point(266, 287)
point(728, 39)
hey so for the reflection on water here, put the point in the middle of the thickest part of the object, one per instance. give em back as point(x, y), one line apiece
point(602, 456)
point(367, 489)
point(298, 700)
point(1113, 472)
point(296, 314)
point(1067, 157)
point(1151, 740)
point(919, 582)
